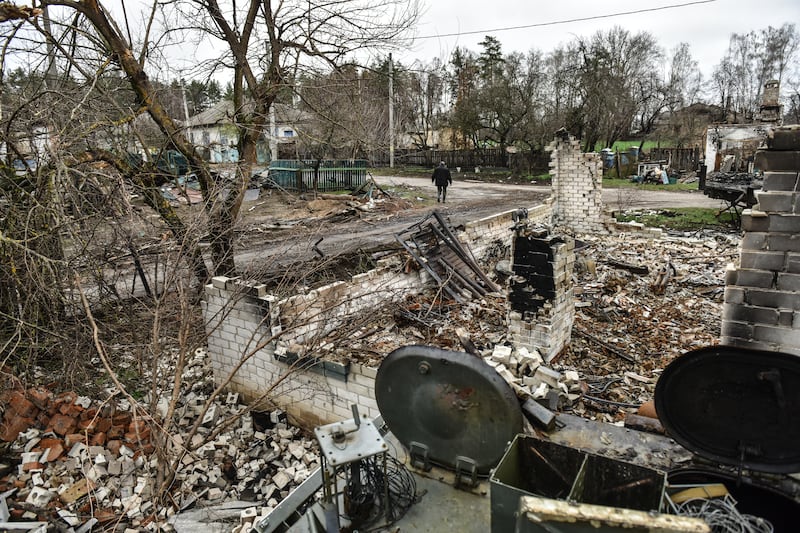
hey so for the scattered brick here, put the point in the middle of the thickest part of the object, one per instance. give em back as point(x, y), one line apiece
point(40, 397)
point(12, 425)
point(121, 419)
point(116, 432)
point(103, 424)
point(98, 439)
point(113, 446)
point(56, 447)
point(22, 406)
point(78, 490)
point(140, 436)
point(35, 465)
point(63, 424)
point(74, 438)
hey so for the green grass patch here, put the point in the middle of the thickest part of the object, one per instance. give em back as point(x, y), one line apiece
point(681, 219)
point(624, 146)
point(615, 183)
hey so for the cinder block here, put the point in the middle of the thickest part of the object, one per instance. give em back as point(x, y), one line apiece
point(360, 390)
point(769, 160)
point(787, 223)
point(220, 282)
point(750, 313)
point(789, 282)
point(755, 220)
point(784, 138)
point(746, 342)
point(734, 295)
point(786, 318)
point(774, 261)
point(763, 279)
point(773, 298)
point(777, 335)
point(775, 202)
point(793, 263)
point(731, 275)
point(780, 181)
point(783, 242)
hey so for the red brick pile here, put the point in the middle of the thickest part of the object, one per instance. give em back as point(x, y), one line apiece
point(64, 420)
point(71, 422)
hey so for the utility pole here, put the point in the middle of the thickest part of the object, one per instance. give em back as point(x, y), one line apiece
point(391, 112)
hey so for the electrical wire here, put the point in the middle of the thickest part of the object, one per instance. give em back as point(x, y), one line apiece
point(566, 21)
point(365, 497)
point(722, 516)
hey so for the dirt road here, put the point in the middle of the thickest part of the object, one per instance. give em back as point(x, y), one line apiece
point(468, 191)
point(279, 245)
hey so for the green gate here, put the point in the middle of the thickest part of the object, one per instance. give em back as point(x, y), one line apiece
point(332, 174)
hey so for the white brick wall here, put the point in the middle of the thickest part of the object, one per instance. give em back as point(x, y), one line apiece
point(762, 294)
point(577, 187)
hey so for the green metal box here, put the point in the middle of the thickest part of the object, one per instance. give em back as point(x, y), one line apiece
point(533, 467)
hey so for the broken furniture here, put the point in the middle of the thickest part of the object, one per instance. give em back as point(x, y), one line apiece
point(737, 190)
point(435, 247)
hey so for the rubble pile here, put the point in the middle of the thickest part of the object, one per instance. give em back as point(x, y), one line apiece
point(640, 302)
point(75, 462)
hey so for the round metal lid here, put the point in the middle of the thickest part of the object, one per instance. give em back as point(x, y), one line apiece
point(452, 402)
point(734, 406)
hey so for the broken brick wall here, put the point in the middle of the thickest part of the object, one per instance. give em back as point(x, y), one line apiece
point(576, 186)
point(274, 342)
point(242, 319)
point(541, 293)
point(483, 233)
point(762, 295)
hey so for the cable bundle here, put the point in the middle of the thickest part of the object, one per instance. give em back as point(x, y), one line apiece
point(365, 501)
point(722, 516)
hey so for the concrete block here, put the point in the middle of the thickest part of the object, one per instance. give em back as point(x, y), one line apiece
point(762, 260)
point(734, 295)
point(775, 299)
point(736, 329)
point(220, 282)
point(780, 181)
point(763, 279)
point(777, 335)
point(784, 222)
point(776, 202)
point(783, 242)
point(769, 160)
point(750, 313)
point(748, 343)
point(784, 138)
point(789, 282)
point(548, 375)
point(786, 318)
point(793, 263)
point(755, 220)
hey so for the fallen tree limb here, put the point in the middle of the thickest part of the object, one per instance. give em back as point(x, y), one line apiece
point(613, 349)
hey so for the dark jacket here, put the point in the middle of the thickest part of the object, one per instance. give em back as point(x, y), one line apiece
point(441, 176)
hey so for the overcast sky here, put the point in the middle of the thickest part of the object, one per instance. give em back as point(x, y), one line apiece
point(706, 26)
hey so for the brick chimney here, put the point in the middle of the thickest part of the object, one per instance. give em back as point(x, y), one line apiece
point(762, 295)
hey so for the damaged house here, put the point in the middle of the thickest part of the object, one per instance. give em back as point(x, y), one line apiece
point(324, 351)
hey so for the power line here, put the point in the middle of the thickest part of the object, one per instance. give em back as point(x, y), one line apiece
point(567, 21)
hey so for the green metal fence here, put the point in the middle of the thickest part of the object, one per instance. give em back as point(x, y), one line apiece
point(331, 175)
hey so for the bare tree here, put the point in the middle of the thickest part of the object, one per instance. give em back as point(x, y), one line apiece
point(750, 61)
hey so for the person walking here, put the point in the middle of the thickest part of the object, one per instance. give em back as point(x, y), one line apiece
point(442, 178)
